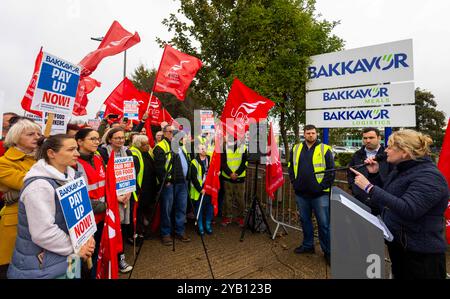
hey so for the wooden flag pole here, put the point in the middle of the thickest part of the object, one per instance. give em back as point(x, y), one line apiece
point(48, 124)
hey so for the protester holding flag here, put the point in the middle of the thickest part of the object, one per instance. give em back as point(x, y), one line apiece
point(412, 201)
point(115, 140)
point(22, 141)
point(92, 167)
point(234, 171)
point(199, 170)
point(312, 191)
point(43, 243)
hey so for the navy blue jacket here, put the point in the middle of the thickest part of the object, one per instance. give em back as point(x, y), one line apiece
point(412, 202)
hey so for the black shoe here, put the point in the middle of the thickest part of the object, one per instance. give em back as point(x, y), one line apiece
point(301, 249)
point(327, 259)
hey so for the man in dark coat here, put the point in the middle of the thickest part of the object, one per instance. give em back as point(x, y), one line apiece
point(371, 148)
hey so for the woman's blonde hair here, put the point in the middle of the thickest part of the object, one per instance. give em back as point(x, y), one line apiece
point(416, 144)
point(138, 140)
point(16, 130)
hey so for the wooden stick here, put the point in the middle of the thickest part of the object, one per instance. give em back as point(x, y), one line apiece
point(49, 124)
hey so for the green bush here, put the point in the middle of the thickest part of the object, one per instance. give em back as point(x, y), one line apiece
point(343, 159)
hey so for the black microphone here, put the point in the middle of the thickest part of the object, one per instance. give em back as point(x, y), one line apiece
point(378, 157)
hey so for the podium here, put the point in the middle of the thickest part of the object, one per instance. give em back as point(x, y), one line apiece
point(357, 239)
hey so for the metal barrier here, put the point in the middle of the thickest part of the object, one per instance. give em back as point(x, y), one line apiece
point(283, 210)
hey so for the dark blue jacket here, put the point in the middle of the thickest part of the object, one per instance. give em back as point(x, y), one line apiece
point(413, 201)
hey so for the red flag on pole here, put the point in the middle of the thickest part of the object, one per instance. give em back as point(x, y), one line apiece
point(148, 131)
point(157, 114)
point(274, 170)
point(243, 107)
point(444, 167)
point(29, 94)
point(212, 181)
point(176, 72)
point(85, 87)
point(125, 91)
point(111, 242)
point(116, 40)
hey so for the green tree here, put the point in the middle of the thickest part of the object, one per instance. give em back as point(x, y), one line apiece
point(265, 43)
point(429, 120)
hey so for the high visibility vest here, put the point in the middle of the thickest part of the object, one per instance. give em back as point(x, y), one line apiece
point(96, 180)
point(319, 162)
point(164, 145)
point(139, 176)
point(234, 160)
point(201, 139)
point(194, 194)
point(210, 149)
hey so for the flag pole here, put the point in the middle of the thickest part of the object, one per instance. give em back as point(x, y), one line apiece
point(156, 77)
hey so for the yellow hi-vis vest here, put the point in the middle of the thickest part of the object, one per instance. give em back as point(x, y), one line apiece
point(234, 160)
point(319, 162)
point(164, 145)
point(193, 193)
point(139, 176)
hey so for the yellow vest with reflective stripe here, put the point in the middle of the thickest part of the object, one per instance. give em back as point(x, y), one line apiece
point(194, 194)
point(137, 153)
point(319, 162)
point(164, 145)
point(234, 160)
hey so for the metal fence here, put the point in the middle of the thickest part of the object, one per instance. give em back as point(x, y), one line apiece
point(283, 210)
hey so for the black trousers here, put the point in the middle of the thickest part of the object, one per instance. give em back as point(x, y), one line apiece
point(414, 265)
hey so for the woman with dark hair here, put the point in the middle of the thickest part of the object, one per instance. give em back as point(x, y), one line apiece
point(91, 166)
point(115, 141)
point(43, 242)
point(412, 201)
point(22, 142)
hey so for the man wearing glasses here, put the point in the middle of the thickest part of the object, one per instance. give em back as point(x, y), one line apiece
point(174, 193)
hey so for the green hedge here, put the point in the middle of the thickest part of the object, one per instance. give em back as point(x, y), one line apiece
point(342, 159)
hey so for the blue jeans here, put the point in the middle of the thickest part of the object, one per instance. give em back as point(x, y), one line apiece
point(207, 208)
point(321, 207)
point(166, 210)
point(180, 196)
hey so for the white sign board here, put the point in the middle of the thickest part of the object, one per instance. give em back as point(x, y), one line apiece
point(34, 117)
point(77, 210)
point(131, 109)
point(207, 121)
point(57, 85)
point(125, 175)
point(94, 123)
point(400, 93)
point(59, 125)
point(377, 64)
point(396, 116)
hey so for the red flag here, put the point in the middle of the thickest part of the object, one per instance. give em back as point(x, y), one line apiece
point(212, 182)
point(157, 114)
point(148, 131)
point(116, 40)
point(125, 91)
point(243, 107)
point(176, 72)
point(111, 242)
point(156, 221)
point(85, 87)
point(444, 167)
point(28, 98)
point(274, 170)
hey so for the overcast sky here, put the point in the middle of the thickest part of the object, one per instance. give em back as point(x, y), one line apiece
point(64, 28)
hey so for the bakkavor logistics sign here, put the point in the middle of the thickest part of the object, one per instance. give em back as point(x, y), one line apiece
point(393, 116)
point(401, 93)
point(377, 64)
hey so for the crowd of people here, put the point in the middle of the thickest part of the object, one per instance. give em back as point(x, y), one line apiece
point(400, 183)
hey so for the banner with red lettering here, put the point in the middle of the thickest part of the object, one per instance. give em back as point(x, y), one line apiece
point(176, 72)
point(111, 242)
point(116, 40)
point(274, 170)
point(243, 106)
point(444, 167)
point(29, 94)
